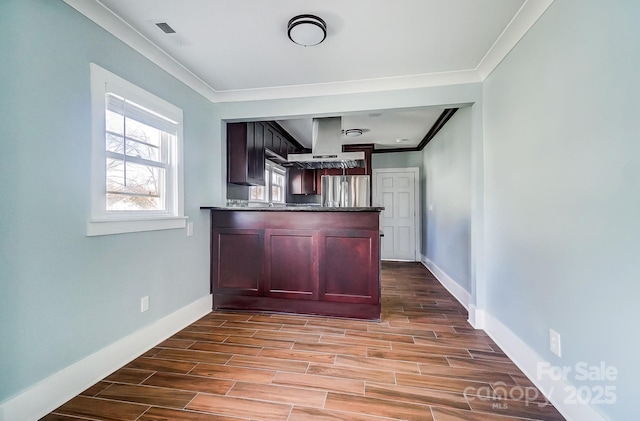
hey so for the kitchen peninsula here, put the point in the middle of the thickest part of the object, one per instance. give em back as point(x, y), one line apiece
point(308, 260)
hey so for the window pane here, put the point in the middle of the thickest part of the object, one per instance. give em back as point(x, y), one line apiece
point(257, 193)
point(133, 186)
point(277, 195)
point(125, 202)
point(115, 122)
point(114, 142)
point(277, 186)
point(273, 190)
point(143, 141)
point(137, 112)
point(278, 178)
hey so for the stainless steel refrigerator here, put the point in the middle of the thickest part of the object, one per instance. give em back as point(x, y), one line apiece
point(346, 191)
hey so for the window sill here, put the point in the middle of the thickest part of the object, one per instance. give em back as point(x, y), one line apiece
point(98, 227)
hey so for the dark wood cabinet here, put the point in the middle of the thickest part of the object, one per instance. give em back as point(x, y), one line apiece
point(257, 155)
point(291, 148)
point(280, 144)
point(247, 148)
point(245, 153)
point(340, 279)
point(318, 262)
point(237, 256)
point(268, 136)
point(276, 141)
point(303, 181)
point(285, 277)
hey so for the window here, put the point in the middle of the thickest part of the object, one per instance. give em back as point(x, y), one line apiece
point(273, 190)
point(136, 158)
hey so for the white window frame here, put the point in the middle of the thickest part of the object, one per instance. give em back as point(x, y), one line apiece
point(275, 168)
point(269, 168)
point(101, 221)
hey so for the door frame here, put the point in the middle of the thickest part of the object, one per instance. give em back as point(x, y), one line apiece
point(417, 200)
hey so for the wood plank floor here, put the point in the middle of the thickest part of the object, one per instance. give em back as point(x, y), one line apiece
point(422, 361)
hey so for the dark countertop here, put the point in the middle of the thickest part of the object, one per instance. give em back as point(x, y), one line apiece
point(294, 209)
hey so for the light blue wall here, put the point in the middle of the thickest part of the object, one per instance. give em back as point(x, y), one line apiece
point(447, 222)
point(562, 148)
point(397, 160)
point(64, 296)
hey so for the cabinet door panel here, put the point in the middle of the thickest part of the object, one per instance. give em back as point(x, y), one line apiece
point(278, 141)
point(291, 264)
point(236, 260)
point(257, 155)
point(294, 179)
point(267, 135)
point(349, 267)
point(245, 153)
point(309, 185)
point(302, 181)
point(237, 153)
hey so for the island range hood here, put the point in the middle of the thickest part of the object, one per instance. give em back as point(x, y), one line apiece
point(326, 149)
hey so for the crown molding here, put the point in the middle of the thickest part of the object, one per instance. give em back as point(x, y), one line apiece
point(528, 14)
point(351, 87)
point(433, 131)
point(523, 20)
point(105, 18)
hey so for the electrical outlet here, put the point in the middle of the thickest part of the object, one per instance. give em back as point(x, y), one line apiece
point(189, 229)
point(554, 342)
point(144, 304)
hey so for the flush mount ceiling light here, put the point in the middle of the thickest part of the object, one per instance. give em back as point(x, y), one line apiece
point(307, 30)
point(353, 132)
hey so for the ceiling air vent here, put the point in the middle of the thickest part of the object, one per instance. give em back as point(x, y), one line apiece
point(165, 28)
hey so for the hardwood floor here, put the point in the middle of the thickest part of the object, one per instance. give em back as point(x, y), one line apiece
point(422, 361)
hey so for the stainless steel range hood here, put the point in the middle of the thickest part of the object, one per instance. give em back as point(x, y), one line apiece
point(326, 149)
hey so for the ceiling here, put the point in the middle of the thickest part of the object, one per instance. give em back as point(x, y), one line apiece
point(234, 50)
point(386, 129)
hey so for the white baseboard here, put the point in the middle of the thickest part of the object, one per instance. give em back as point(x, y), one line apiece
point(476, 317)
point(556, 391)
point(518, 351)
point(57, 389)
point(452, 286)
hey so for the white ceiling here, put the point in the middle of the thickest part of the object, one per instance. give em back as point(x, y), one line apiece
point(386, 129)
point(232, 50)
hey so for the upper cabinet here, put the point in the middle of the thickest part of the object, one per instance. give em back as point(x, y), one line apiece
point(245, 154)
point(248, 144)
point(302, 181)
point(274, 141)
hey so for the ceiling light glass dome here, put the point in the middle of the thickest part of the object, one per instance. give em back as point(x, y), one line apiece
point(307, 30)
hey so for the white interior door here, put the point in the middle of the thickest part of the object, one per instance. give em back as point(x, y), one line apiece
point(397, 190)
